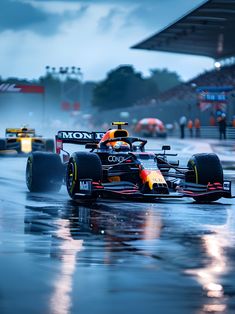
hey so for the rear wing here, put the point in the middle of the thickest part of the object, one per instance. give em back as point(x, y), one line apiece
point(19, 130)
point(76, 137)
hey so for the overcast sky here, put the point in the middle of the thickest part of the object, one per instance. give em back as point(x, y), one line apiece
point(95, 35)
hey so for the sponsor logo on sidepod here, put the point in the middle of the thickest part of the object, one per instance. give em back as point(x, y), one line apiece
point(112, 158)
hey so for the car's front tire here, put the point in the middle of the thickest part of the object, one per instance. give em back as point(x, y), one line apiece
point(206, 169)
point(82, 165)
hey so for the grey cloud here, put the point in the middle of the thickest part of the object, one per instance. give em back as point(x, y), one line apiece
point(106, 1)
point(146, 15)
point(20, 15)
point(173, 3)
point(16, 15)
point(157, 14)
point(106, 22)
point(54, 21)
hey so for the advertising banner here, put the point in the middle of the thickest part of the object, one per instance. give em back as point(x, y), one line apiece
point(20, 88)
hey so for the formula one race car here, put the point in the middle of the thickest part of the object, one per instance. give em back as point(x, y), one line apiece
point(24, 140)
point(150, 127)
point(117, 165)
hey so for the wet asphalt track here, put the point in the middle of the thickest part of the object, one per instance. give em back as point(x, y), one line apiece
point(112, 257)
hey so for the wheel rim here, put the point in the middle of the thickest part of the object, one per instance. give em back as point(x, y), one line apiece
point(71, 177)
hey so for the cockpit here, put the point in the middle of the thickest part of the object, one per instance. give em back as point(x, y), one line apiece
point(119, 140)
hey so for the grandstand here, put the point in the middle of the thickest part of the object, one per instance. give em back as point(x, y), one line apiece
point(210, 26)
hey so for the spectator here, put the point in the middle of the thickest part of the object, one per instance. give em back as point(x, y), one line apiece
point(212, 120)
point(233, 122)
point(222, 126)
point(190, 127)
point(182, 121)
point(197, 125)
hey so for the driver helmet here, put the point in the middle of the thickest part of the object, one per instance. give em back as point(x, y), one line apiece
point(121, 146)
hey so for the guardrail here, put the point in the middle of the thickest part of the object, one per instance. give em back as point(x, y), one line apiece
point(211, 132)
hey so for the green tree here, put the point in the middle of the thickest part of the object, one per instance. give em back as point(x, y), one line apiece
point(123, 87)
point(164, 79)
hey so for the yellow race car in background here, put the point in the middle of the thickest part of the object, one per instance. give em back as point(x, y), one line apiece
point(24, 140)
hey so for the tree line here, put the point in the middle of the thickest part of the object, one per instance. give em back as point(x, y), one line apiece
point(122, 87)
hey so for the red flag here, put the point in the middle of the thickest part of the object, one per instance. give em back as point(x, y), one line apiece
point(65, 106)
point(76, 106)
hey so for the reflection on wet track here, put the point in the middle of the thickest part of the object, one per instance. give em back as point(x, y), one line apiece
point(110, 257)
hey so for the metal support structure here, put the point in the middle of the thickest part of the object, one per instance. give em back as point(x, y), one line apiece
point(74, 91)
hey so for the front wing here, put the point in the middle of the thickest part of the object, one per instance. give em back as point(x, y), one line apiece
point(23, 146)
point(128, 190)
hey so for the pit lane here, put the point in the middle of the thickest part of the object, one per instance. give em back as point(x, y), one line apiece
point(56, 256)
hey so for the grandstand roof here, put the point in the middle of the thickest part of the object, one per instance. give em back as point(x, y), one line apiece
point(208, 30)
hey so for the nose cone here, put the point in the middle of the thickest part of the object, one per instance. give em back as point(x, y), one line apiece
point(26, 145)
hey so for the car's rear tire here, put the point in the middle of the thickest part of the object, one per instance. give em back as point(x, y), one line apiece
point(44, 172)
point(82, 165)
point(206, 168)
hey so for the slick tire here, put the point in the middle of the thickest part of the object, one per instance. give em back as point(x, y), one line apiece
point(82, 165)
point(44, 172)
point(50, 145)
point(2, 144)
point(206, 168)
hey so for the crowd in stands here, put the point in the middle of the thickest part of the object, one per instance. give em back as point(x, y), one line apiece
point(222, 76)
point(217, 77)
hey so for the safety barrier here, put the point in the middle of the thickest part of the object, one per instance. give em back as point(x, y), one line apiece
point(211, 132)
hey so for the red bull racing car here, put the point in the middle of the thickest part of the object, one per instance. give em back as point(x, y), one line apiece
point(117, 165)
